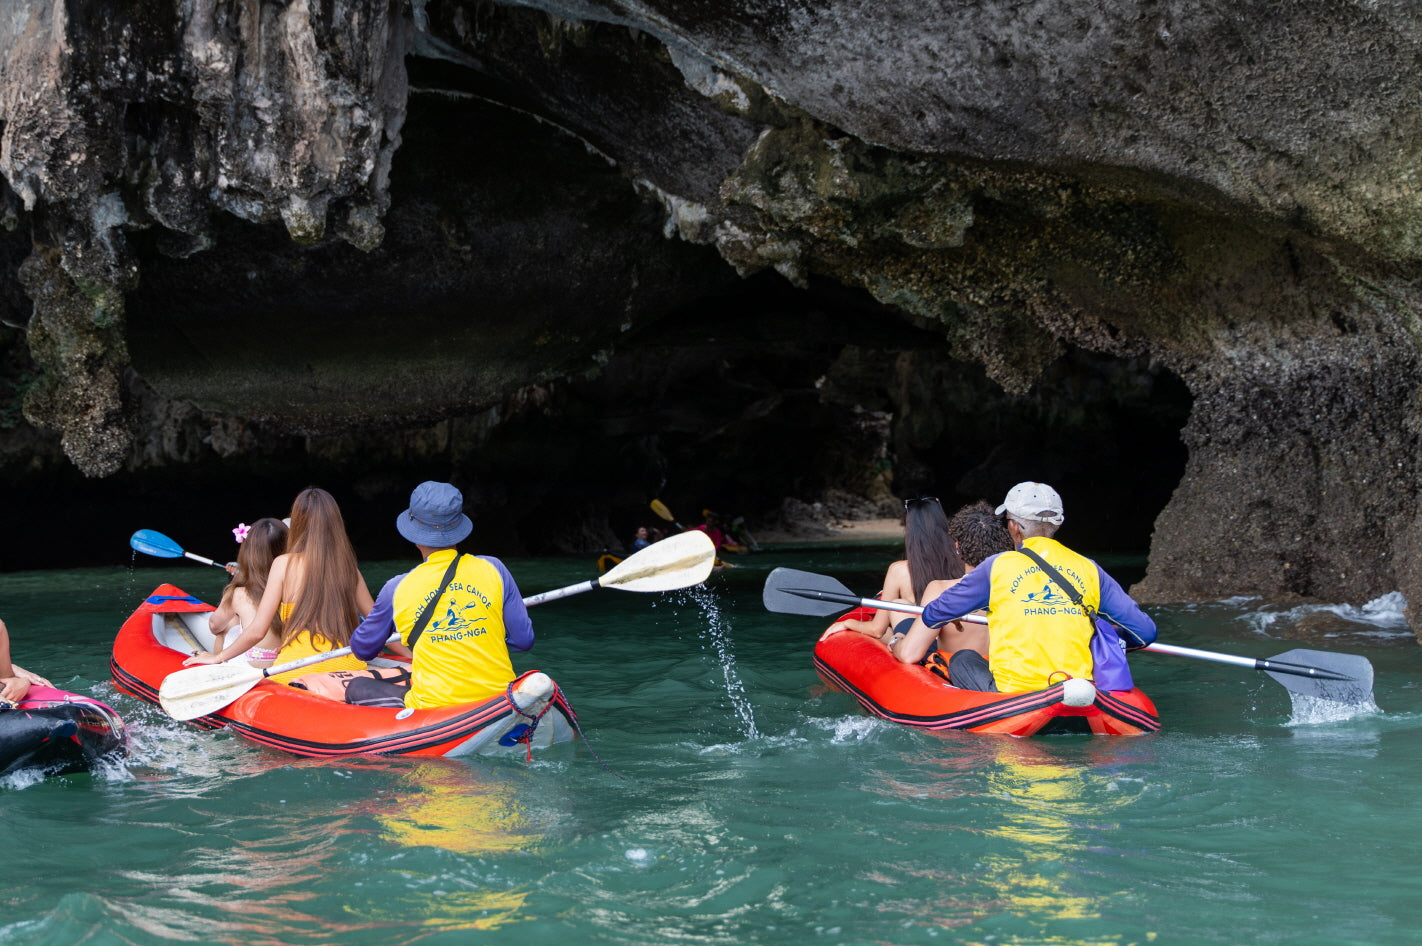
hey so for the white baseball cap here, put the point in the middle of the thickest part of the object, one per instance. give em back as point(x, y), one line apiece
point(1035, 501)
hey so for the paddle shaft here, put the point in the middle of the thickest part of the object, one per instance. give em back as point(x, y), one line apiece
point(315, 659)
point(175, 623)
point(622, 573)
point(206, 561)
point(1252, 663)
point(530, 601)
point(557, 593)
point(856, 601)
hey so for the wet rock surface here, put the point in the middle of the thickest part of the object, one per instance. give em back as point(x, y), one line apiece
point(254, 241)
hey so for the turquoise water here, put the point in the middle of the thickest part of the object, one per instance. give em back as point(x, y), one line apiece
point(732, 801)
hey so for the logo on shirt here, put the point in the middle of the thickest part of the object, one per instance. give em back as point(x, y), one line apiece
point(1048, 595)
point(457, 625)
point(1048, 598)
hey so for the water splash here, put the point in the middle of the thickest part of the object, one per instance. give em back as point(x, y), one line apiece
point(1313, 710)
point(131, 592)
point(716, 632)
point(855, 729)
point(22, 779)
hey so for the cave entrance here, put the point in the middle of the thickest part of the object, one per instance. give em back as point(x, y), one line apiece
point(770, 392)
point(751, 396)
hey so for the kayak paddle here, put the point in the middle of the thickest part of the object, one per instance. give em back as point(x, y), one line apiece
point(1343, 678)
point(160, 546)
point(196, 691)
point(678, 562)
point(660, 508)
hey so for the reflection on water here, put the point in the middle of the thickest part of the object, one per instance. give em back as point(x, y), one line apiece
point(444, 803)
point(278, 870)
point(1048, 821)
point(278, 851)
point(1030, 815)
point(253, 887)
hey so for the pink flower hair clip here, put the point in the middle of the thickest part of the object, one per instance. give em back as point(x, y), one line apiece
point(241, 531)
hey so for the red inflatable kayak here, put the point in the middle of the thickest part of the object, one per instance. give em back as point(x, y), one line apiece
point(170, 625)
point(909, 694)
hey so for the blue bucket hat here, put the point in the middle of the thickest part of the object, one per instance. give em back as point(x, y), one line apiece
point(436, 516)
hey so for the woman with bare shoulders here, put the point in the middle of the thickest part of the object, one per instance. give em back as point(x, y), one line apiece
point(261, 543)
point(930, 555)
point(978, 534)
point(315, 588)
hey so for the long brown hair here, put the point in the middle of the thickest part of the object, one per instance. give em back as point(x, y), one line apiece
point(326, 604)
point(266, 539)
point(928, 546)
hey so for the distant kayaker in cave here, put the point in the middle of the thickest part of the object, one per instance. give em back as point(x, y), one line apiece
point(930, 560)
point(15, 681)
point(711, 525)
point(458, 613)
point(1039, 633)
point(315, 587)
point(641, 540)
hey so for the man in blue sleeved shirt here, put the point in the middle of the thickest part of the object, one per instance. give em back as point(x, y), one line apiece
point(475, 613)
point(1038, 634)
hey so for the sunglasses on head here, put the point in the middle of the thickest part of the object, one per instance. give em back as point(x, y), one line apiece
point(920, 499)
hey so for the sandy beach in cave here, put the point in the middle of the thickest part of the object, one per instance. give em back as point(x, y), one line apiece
point(858, 530)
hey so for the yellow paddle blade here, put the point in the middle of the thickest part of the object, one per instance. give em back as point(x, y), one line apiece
point(678, 562)
point(660, 508)
point(198, 691)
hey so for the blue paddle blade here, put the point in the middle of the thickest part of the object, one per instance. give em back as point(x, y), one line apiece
point(155, 543)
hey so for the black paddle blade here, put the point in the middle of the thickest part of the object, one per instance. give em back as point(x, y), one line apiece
point(1342, 678)
point(791, 591)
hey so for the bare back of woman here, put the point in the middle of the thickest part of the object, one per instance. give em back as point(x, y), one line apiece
point(262, 543)
point(315, 590)
point(978, 534)
point(930, 555)
point(317, 618)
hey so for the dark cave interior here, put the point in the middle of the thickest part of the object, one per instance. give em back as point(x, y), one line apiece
point(735, 403)
point(723, 392)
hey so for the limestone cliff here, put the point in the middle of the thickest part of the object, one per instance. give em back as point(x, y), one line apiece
point(235, 223)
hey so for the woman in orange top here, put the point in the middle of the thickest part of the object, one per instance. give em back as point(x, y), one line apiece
point(316, 588)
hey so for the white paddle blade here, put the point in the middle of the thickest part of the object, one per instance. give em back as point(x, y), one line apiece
point(680, 561)
point(197, 691)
